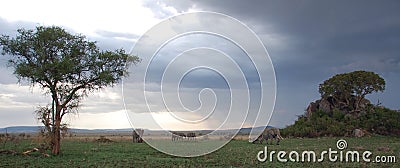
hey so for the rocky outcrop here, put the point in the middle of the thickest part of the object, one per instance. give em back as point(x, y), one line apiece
point(329, 104)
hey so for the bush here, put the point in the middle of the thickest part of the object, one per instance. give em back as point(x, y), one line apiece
point(376, 120)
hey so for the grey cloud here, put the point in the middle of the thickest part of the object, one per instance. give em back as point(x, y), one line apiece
point(109, 34)
point(6, 76)
point(157, 7)
point(110, 43)
point(10, 28)
point(309, 41)
point(17, 116)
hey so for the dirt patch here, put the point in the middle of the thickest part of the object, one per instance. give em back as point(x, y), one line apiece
point(103, 139)
point(384, 149)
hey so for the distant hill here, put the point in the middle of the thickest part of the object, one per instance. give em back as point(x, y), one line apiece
point(34, 129)
point(20, 129)
point(247, 130)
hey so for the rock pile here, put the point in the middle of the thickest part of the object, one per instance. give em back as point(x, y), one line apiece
point(329, 104)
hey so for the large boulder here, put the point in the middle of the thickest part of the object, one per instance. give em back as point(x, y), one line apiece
point(326, 105)
point(329, 104)
point(311, 108)
point(358, 133)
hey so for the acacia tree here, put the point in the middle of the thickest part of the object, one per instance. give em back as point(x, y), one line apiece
point(364, 83)
point(358, 84)
point(67, 67)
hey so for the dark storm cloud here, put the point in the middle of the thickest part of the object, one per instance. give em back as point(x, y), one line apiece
point(178, 49)
point(309, 41)
point(320, 33)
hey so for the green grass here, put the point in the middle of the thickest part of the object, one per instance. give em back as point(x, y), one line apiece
point(237, 153)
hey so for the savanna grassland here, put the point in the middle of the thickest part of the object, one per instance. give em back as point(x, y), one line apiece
point(238, 153)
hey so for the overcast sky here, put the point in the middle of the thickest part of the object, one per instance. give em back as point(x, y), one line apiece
point(308, 42)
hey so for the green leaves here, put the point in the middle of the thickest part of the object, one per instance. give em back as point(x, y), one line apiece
point(358, 83)
point(60, 61)
point(66, 66)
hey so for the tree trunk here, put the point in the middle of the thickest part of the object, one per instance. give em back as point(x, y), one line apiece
point(358, 101)
point(357, 104)
point(56, 139)
point(56, 134)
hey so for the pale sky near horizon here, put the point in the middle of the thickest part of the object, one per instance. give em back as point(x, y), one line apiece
point(308, 41)
point(94, 19)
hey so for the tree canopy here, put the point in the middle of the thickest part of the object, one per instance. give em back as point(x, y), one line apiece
point(358, 83)
point(66, 66)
